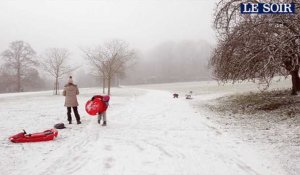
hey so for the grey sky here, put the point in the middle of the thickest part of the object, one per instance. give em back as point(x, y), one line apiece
point(83, 23)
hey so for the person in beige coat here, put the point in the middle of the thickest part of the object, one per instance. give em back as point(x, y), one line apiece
point(70, 92)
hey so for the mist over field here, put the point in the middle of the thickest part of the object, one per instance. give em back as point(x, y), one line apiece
point(172, 39)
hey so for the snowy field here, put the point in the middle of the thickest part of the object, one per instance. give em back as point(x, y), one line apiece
point(148, 132)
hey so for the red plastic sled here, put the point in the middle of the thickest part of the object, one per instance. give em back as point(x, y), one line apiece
point(35, 137)
point(94, 107)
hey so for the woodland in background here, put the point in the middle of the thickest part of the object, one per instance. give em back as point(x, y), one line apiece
point(172, 62)
point(113, 63)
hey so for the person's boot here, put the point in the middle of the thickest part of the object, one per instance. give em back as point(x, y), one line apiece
point(99, 121)
point(70, 122)
point(104, 123)
point(78, 122)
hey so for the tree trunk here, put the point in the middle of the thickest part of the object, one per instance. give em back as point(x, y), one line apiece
point(295, 81)
point(103, 84)
point(56, 85)
point(108, 85)
point(18, 80)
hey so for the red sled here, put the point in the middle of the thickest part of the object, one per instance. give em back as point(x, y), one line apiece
point(21, 137)
point(93, 107)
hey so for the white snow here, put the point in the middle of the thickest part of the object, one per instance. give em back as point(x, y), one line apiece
point(148, 132)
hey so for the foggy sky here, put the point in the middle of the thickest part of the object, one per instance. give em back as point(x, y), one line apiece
point(83, 23)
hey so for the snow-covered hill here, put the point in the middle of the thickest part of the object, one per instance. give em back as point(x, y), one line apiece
point(148, 132)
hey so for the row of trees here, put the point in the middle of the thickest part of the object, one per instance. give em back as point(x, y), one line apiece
point(253, 46)
point(21, 64)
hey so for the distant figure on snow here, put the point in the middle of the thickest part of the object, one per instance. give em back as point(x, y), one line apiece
point(70, 92)
point(105, 99)
point(189, 96)
point(175, 95)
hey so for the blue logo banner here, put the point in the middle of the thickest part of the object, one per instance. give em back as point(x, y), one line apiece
point(267, 8)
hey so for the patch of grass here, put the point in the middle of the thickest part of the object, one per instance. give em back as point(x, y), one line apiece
point(275, 101)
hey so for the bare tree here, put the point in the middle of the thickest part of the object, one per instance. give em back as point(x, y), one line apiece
point(55, 64)
point(118, 55)
point(19, 57)
point(111, 59)
point(97, 62)
point(255, 47)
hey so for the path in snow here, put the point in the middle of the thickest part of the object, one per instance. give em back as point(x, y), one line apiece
point(150, 134)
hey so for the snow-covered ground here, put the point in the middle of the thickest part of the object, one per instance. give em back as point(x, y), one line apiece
point(148, 132)
point(276, 137)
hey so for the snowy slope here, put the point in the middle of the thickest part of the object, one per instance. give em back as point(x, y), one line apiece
point(148, 132)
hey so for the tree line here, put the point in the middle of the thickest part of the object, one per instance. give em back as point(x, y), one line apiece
point(20, 65)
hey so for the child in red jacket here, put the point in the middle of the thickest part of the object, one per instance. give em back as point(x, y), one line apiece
point(105, 99)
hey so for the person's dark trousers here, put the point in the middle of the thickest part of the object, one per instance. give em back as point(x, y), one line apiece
point(76, 114)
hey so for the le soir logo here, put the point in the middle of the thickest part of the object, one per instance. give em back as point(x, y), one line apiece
point(267, 8)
